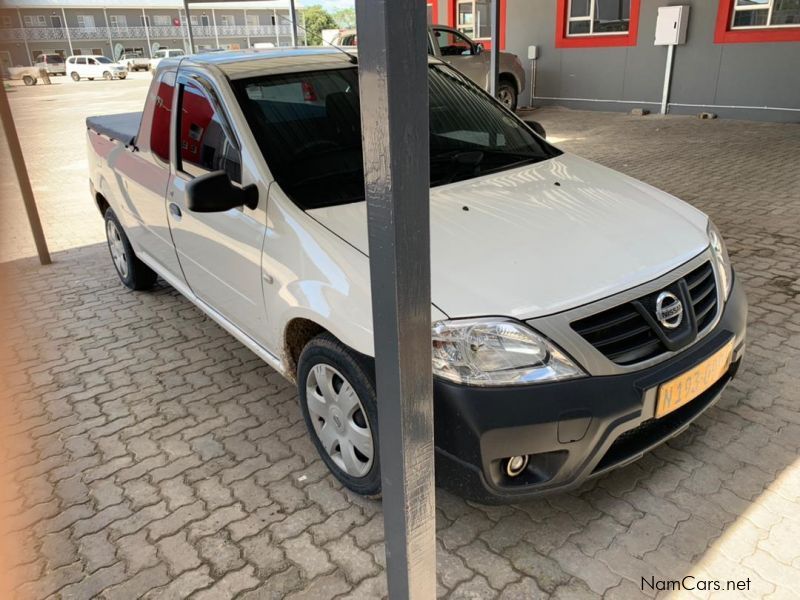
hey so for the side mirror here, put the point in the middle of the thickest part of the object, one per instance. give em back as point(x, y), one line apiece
point(536, 126)
point(478, 49)
point(215, 192)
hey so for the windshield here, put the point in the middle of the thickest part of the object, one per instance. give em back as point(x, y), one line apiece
point(308, 127)
point(103, 60)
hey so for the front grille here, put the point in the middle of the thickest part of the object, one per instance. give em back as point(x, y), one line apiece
point(628, 333)
point(703, 292)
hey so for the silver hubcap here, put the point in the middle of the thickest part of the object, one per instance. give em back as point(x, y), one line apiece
point(117, 249)
point(506, 97)
point(339, 420)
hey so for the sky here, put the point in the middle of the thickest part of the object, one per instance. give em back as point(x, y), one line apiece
point(329, 5)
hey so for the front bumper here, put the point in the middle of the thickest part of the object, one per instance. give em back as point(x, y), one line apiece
point(572, 430)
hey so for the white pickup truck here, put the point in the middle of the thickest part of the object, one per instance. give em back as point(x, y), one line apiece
point(580, 317)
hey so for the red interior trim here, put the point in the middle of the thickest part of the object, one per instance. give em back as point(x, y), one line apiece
point(595, 41)
point(451, 22)
point(725, 35)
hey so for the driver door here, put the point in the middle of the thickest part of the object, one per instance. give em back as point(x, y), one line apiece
point(219, 253)
point(462, 53)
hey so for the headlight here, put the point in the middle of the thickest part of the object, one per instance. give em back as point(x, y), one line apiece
point(721, 258)
point(496, 351)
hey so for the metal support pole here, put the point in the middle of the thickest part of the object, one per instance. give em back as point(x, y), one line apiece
point(66, 29)
point(147, 33)
point(108, 30)
point(25, 188)
point(494, 56)
point(188, 26)
point(393, 79)
point(183, 33)
point(667, 78)
point(25, 37)
point(293, 16)
point(277, 22)
point(214, 23)
point(247, 28)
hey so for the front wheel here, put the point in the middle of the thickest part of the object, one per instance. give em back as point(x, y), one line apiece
point(75, 76)
point(122, 76)
point(28, 80)
point(507, 94)
point(107, 75)
point(133, 273)
point(336, 387)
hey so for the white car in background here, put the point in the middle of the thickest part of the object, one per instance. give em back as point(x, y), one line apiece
point(160, 55)
point(94, 66)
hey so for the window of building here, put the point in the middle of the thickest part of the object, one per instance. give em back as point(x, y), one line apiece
point(205, 144)
point(86, 21)
point(162, 20)
point(598, 17)
point(252, 20)
point(34, 21)
point(596, 23)
point(144, 20)
point(117, 21)
point(97, 51)
point(766, 13)
point(474, 19)
point(758, 21)
point(227, 20)
point(162, 112)
point(433, 12)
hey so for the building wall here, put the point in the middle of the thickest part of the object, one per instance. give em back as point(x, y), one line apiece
point(714, 76)
point(87, 41)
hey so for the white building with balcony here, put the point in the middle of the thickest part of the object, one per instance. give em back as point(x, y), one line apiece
point(29, 28)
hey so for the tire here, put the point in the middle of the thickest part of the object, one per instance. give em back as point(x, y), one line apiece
point(133, 273)
point(352, 416)
point(122, 76)
point(90, 78)
point(28, 80)
point(507, 94)
point(75, 76)
point(107, 75)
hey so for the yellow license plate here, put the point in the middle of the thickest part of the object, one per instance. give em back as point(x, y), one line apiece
point(688, 386)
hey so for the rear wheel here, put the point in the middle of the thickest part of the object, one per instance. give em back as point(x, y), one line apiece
point(336, 387)
point(133, 273)
point(28, 80)
point(75, 76)
point(122, 76)
point(107, 75)
point(507, 94)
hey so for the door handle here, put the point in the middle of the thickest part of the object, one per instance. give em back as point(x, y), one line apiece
point(175, 210)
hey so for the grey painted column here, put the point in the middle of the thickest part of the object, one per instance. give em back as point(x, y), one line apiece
point(188, 26)
point(25, 37)
point(393, 78)
point(108, 30)
point(277, 22)
point(183, 32)
point(293, 16)
point(494, 56)
point(214, 23)
point(145, 21)
point(247, 28)
point(66, 29)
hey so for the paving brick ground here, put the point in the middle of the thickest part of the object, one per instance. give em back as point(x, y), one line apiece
point(151, 455)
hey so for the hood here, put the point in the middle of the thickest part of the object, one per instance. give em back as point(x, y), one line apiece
point(541, 239)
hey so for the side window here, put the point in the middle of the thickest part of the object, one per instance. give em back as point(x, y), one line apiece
point(81, 60)
point(162, 112)
point(91, 61)
point(452, 43)
point(205, 144)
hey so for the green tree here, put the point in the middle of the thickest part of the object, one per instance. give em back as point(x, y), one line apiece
point(316, 19)
point(345, 18)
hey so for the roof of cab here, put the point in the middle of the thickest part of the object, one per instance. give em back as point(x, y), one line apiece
point(239, 64)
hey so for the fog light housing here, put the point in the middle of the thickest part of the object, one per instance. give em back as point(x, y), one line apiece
point(516, 465)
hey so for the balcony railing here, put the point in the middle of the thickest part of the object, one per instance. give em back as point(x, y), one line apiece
point(33, 34)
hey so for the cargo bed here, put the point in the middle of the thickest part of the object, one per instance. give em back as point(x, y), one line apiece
point(122, 127)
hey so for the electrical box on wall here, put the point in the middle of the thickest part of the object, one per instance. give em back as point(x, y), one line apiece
point(533, 52)
point(671, 25)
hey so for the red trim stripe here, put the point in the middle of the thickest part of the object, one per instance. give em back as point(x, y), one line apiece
point(595, 41)
point(725, 35)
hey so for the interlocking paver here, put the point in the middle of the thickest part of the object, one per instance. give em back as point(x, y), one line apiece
point(152, 454)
